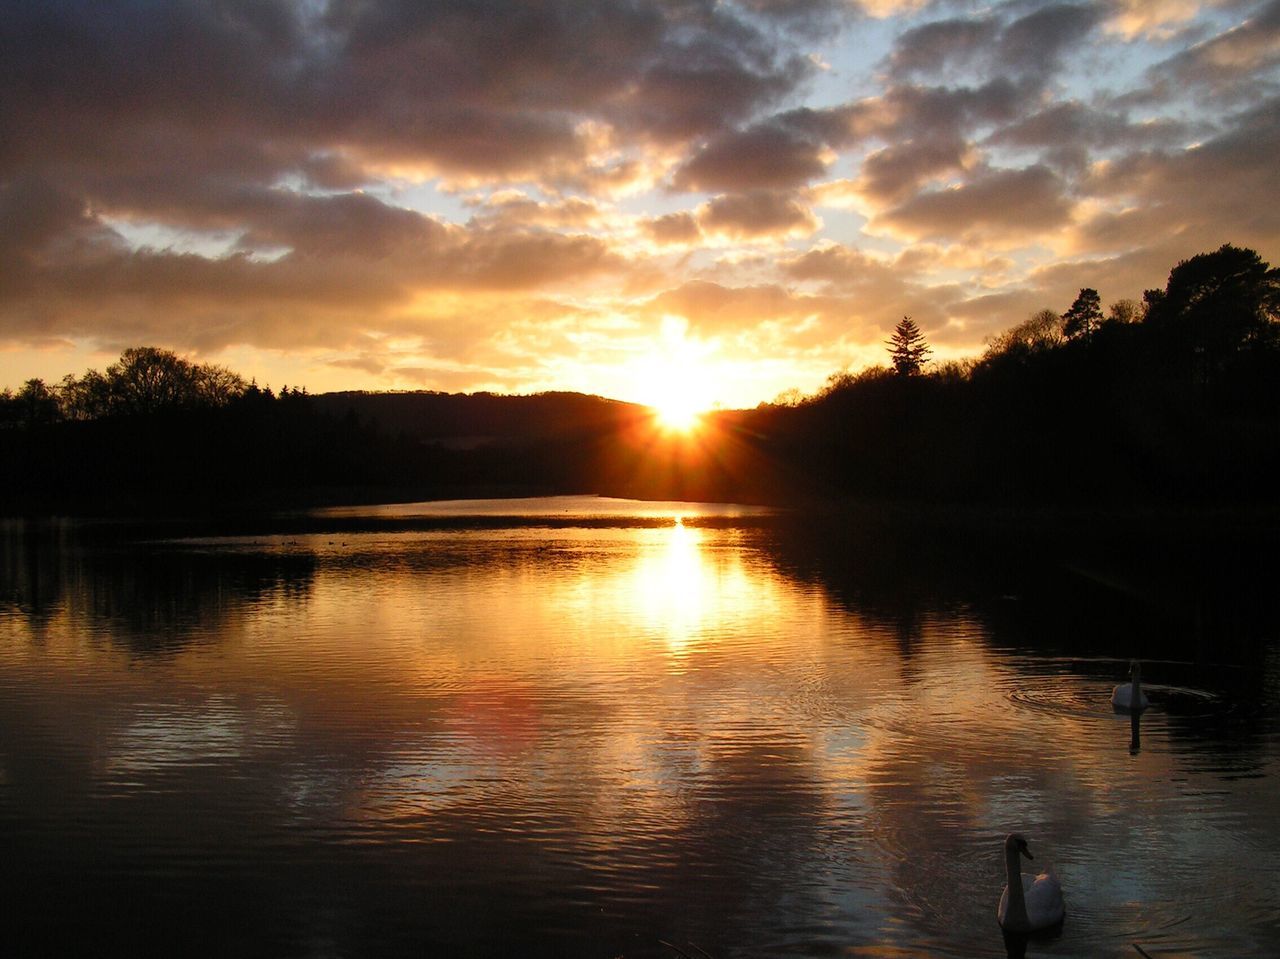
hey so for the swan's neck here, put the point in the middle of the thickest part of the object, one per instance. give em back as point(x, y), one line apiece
point(1016, 914)
point(1135, 688)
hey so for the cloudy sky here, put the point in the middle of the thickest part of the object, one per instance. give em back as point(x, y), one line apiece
point(601, 195)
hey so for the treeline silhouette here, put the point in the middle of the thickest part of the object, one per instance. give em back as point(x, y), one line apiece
point(1175, 399)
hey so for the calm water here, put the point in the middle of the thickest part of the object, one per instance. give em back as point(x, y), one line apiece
point(593, 727)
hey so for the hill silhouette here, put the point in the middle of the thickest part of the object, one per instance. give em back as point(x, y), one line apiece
point(1172, 401)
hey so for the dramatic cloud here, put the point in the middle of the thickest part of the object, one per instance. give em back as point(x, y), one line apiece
point(757, 214)
point(934, 47)
point(674, 228)
point(1037, 42)
point(508, 194)
point(1208, 191)
point(999, 207)
point(765, 157)
point(1153, 18)
point(1230, 65)
point(1072, 123)
point(898, 171)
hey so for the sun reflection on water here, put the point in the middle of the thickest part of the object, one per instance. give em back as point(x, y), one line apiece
point(649, 719)
point(683, 589)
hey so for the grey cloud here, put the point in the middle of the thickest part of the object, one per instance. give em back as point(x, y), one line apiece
point(522, 211)
point(673, 228)
point(807, 18)
point(713, 308)
point(1233, 64)
point(348, 224)
point(934, 47)
point(1117, 277)
point(869, 287)
point(832, 264)
point(759, 213)
point(703, 91)
point(351, 224)
point(928, 111)
point(778, 316)
point(461, 84)
point(352, 258)
point(37, 217)
point(1207, 191)
point(1072, 123)
point(997, 205)
point(789, 10)
point(263, 119)
point(892, 174)
point(1035, 43)
point(501, 260)
point(927, 130)
point(1031, 45)
point(76, 74)
point(784, 151)
point(477, 140)
point(768, 156)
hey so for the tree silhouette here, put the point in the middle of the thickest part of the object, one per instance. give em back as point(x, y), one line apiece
point(34, 405)
point(1040, 331)
point(146, 380)
point(1083, 316)
point(907, 348)
point(1176, 399)
point(1221, 300)
point(1125, 311)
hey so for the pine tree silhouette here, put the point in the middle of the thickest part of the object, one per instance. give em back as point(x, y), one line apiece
point(907, 348)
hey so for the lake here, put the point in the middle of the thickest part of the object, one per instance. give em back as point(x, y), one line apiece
point(586, 727)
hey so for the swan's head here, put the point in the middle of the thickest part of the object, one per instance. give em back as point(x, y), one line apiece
point(1135, 670)
point(1016, 842)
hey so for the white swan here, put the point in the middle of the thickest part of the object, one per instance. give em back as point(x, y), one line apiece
point(1129, 696)
point(1028, 903)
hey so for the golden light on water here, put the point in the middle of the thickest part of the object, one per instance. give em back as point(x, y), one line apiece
point(620, 705)
point(674, 586)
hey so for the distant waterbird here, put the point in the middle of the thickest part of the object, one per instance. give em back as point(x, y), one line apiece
point(1028, 903)
point(1129, 696)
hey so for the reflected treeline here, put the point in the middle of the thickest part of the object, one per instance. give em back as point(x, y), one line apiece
point(1196, 590)
point(1198, 598)
point(148, 598)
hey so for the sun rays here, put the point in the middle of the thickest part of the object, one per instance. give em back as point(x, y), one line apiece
point(678, 378)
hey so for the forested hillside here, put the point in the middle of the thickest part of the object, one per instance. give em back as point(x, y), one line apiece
point(1175, 400)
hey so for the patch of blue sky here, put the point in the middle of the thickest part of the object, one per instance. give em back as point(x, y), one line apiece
point(212, 244)
point(846, 227)
point(297, 183)
point(660, 202)
point(1109, 67)
point(424, 197)
point(850, 61)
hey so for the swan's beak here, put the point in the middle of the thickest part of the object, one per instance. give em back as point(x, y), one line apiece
point(1025, 851)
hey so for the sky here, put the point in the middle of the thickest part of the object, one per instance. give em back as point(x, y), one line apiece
point(728, 199)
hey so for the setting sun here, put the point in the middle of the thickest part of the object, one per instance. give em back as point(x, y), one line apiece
point(679, 412)
point(677, 379)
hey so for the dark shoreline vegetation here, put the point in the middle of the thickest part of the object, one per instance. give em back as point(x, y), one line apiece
point(1168, 406)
